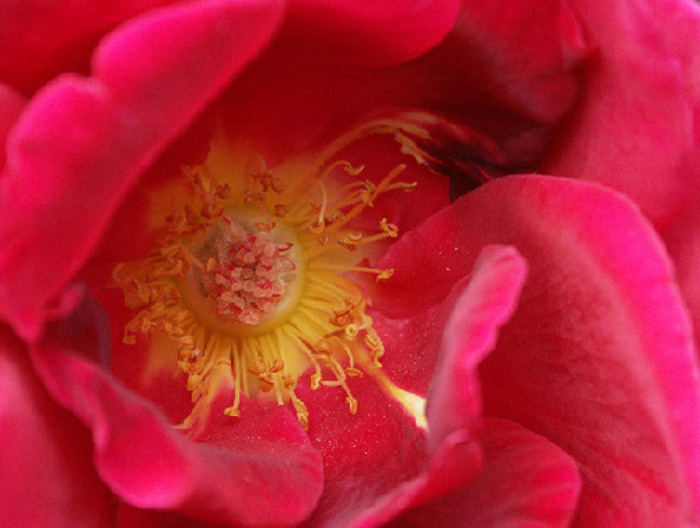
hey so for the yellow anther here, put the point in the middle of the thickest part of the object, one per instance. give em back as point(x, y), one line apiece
point(384, 274)
point(390, 229)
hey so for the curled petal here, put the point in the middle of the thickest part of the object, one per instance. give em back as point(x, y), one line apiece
point(599, 356)
point(621, 133)
point(48, 479)
point(525, 481)
point(236, 473)
point(454, 401)
point(11, 105)
point(374, 33)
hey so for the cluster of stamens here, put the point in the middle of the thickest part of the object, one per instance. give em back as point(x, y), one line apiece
point(243, 299)
point(246, 279)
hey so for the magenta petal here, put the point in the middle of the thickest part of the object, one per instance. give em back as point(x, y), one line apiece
point(454, 400)
point(11, 105)
point(598, 357)
point(251, 476)
point(683, 242)
point(373, 33)
point(48, 480)
point(40, 38)
point(622, 133)
point(454, 462)
point(526, 481)
point(82, 143)
point(365, 455)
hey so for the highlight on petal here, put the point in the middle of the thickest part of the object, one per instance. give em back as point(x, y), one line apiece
point(365, 455)
point(525, 481)
point(454, 404)
point(621, 133)
point(48, 480)
point(489, 300)
point(260, 471)
point(599, 356)
point(373, 33)
point(93, 137)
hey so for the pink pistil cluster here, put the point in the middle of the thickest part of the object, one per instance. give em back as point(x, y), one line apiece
point(248, 281)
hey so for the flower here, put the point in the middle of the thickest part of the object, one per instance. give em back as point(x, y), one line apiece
point(221, 306)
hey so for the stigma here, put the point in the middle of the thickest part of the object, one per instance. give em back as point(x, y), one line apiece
point(250, 278)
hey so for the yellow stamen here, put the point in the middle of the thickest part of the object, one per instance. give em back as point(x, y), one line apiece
point(248, 279)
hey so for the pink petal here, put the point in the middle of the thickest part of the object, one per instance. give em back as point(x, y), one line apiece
point(92, 138)
point(48, 479)
point(683, 243)
point(622, 133)
point(257, 471)
point(525, 481)
point(508, 70)
point(370, 32)
point(365, 455)
point(599, 356)
point(489, 300)
point(681, 21)
point(11, 105)
point(39, 39)
point(454, 403)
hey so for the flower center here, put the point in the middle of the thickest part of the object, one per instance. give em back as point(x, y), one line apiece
point(249, 280)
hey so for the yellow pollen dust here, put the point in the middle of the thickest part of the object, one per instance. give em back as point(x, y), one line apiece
point(248, 280)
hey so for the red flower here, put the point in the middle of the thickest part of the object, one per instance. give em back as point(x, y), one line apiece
point(197, 199)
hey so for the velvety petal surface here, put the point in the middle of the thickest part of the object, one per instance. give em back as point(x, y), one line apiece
point(525, 481)
point(681, 22)
point(491, 297)
point(633, 126)
point(504, 112)
point(365, 455)
point(48, 480)
point(598, 357)
point(39, 39)
point(511, 76)
point(11, 105)
point(93, 137)
point(454, 402)
point(373, 33)
point(255, 472)
point(683, 243)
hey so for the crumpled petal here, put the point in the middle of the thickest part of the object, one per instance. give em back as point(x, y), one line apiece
point(93, 137)
point(622, 133)
point(525, 481)
point(599, 357)
point(48, 480)
point(258, 471)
